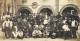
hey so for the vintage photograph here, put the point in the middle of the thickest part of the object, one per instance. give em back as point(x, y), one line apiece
point(39, 20)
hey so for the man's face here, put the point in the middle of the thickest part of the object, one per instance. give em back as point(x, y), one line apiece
point(8, 19)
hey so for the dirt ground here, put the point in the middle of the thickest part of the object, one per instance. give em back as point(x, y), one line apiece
point(39, 39)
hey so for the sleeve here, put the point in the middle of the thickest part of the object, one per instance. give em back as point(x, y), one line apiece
point(11, 24)
point(3, 25)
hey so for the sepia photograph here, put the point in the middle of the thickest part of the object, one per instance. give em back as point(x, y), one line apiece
point(39, 20)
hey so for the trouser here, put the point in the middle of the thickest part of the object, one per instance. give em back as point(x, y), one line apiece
point(30, 33)
point(73, 32)
point(8, 32)
point(66, 34)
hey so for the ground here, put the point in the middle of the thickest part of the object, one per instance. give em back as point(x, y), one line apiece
point(39, 39)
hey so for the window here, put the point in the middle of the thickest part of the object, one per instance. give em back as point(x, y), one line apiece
point(23, 1)
point(70, 1)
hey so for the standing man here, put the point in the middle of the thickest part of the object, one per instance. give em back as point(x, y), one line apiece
point(66, 28)
point(7, 27)
point(46, 25)
point(74, 26)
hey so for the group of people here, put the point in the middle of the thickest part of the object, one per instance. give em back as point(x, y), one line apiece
point(70, 26)
point(39, 26)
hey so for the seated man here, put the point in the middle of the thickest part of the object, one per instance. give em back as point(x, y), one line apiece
point(20, 34)
point(17, 33)
point(14, 32)
point(36, 32)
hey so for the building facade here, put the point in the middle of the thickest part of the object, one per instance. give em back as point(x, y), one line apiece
point(56, 6)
